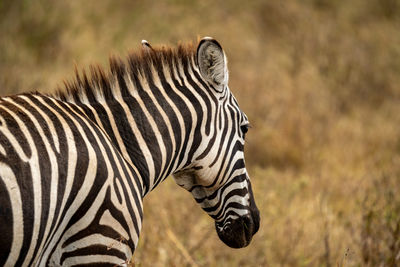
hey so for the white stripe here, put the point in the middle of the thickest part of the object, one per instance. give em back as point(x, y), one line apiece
point(36, 183)
point(49, 122)
point(72, 161)
point(54, 173)
point(123, 207)
point(96, 239)
point(2, 150)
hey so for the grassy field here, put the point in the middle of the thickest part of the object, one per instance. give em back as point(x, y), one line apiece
point(320, 83)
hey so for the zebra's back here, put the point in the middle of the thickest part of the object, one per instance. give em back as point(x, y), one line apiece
point(62, 187)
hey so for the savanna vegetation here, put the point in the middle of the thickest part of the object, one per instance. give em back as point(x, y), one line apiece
point(320, 83)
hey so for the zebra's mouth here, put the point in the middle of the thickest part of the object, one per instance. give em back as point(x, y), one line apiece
point(238, 233)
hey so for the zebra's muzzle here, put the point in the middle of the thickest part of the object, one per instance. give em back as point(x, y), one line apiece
point(238, 233)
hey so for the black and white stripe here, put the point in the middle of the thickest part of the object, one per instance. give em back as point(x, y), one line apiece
point(75, 166)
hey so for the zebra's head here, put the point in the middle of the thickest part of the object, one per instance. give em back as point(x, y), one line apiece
point(217, 175)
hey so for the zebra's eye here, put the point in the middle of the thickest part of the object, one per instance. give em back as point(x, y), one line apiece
point(244, 128)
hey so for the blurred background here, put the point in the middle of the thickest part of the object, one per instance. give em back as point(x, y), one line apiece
point(320, 83)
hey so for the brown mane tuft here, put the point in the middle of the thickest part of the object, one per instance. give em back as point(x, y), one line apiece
point(138, 63)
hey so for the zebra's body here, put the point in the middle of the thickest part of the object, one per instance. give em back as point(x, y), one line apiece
point(75, 166)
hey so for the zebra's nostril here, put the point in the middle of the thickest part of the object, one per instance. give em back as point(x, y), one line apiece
point(248, 227)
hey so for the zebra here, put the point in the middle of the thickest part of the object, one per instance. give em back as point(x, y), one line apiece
point(76, 164)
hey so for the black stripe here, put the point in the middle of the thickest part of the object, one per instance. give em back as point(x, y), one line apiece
point(24, 179)
point(44, 167)
point(161, 124)
point(6, 218)
point(81, 165)
point(235, 192)
point(93, 250)
point(221, 190)
point(227, 151)
point(62, 158)
point(96, 227)
point(181, 106)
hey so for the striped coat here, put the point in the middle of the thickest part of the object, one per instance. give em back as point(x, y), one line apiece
point(75, 165)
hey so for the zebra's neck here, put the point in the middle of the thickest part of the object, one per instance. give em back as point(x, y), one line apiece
point(147, 109)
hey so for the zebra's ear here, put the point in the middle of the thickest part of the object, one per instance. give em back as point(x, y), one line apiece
point(212, 63)
point(146, 46)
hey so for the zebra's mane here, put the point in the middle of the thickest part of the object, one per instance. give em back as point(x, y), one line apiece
point(98, 83)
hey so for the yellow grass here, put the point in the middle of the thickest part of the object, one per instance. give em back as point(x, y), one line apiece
point(320, 82)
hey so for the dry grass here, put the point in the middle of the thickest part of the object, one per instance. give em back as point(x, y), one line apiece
point(320, 82)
